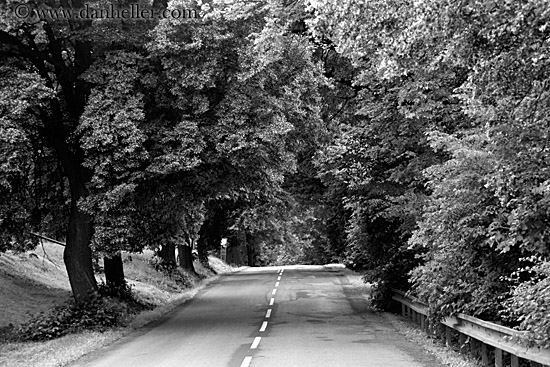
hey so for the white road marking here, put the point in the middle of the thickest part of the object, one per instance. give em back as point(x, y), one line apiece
point(246, 362)
point(271, 301)
point(282, 271)
point(256, 342)
point(268, 314)
point(277, 284)
point(274, 291)
point(279, 278)
point(264, 326)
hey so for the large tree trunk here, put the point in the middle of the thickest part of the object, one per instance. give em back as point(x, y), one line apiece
point(250, 254)
point(59, 124)
point(168, 253)
point(186, 258)
point(203, 254)
point(251, 249)
point(78, 256)
point(114, 271)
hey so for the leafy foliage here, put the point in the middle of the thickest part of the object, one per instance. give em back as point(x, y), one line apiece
point(179, 276)
point(99, 313)
point(407, 139)
point(25, 164)
point(529, 303)
point(151, 128)
point(447, 143)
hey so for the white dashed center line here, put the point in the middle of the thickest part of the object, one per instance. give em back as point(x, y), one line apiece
point(246, 362)
point(248, 359)
point(256, 342)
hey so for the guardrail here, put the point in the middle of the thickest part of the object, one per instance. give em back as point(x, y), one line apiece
point(484, 335)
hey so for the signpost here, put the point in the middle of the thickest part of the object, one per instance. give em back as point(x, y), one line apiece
point(223, 250)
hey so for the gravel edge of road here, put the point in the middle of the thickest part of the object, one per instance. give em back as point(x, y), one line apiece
point(431, 345)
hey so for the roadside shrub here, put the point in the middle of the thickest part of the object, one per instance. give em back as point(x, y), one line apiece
point(122, 292)
point(99, 314)
point(530, 305)
point(173, 272)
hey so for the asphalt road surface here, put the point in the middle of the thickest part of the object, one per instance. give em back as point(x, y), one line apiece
point(294, 316)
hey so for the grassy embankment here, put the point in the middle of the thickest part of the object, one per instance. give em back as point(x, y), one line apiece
point(36, 281)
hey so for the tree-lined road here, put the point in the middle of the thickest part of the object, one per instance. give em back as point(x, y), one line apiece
point(293, 316)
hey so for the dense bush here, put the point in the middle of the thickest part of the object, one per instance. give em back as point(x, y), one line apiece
point(530, 304)
point(111, 306)
point(172, 271)
point(122, 292)
point(99, 313)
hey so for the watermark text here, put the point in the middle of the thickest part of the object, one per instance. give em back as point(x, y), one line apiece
point(88, 12)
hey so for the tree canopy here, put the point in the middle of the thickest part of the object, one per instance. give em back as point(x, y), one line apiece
point(449, 141)
point(407, 139)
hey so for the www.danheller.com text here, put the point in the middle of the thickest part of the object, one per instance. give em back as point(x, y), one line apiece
point(132, 11)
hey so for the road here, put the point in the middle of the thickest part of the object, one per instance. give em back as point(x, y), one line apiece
point(265, 317)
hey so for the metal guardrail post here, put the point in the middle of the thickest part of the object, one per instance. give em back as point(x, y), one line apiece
point(448, 336)
point(498, 358)
point(462, 343)
point(484, 355)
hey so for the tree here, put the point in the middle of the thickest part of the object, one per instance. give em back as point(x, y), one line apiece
point(188, 116)
point(473, 77)
point(49, 61)
point(503, 47)
point(77, 94)
point(270, 110)
point(374, 164)
point(459, 254)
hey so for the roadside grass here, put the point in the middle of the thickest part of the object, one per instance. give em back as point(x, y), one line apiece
point(431, 344)
point(411, 331)
point(31, 282)
point(36, 281)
